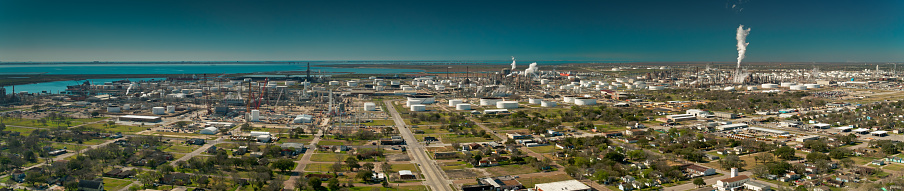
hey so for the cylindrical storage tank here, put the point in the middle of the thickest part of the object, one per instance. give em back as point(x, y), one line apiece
point(812, 86)
point(729, 88)
point(379, 88)
point(507, 105)
point(381, 83)
point(769, 86)
point(629, 86)
point(439, 87)
point(585, 101)
point(422, 99)
point(352, 83)
point(798, 87)
point(171, 109)
point(454, 102)
point(547, 104)
point(788, 84)
point(394, 83)
point(408, 88)
point(418, 107)
point(568, 99)
point(113, 109)
point(370, 106)
point(126, 106)
point(289, 83)
point(655, 87)
point(534, 100)
point(409, 103)
point(334, 83)
point(544, 81)
point(751, 88)
point(463, 106)
point(489, 101)
point(158, 110)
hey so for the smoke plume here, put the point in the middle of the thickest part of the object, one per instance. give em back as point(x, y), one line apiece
point(513, 63)
point(129, 89)
point(531, 69)
point(742, 43)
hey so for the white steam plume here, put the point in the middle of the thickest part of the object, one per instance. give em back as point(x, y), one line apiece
point(531, 69)
point(129, 89)
point(742, 43)
point(513, 63)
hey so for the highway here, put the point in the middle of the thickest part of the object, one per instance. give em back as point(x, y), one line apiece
point(433, 176)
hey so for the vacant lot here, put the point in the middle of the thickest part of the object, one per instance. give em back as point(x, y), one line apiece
point(510, 170)
point(399, 167)
point(529, 182)
point(462, 174)
point(328, 157)
point(115, 184)
point(543, 149)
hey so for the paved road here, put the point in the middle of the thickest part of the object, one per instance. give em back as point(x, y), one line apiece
point(432, 173)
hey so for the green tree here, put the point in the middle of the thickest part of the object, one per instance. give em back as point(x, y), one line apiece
point(784, 152)
point(315, 183)
point(699, 182)
point(814, 156)
point(352, 163)
point(333, 183)
point(283, 164)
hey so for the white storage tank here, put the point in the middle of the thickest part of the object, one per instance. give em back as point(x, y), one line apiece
point(729, 88)
point(171, 109)
point(422, 99)
point(334, 83)
point(798, 87)
point(394, 83)
point(812, 86)
point(585, 101)
point(418, 107)
point(544, 81)
point(379, 88)
point(158, 110)
point(788, 84)
point(439, 87)
point(126, 106)
point(769, 86)
point(289, 83)
point(489, 101)
point(352, 83)
point(534, 100)
point(463, 106)
point(370, 106)
point(547, 104)
point(454, 102)
point(409, 103)
point(568, 99)
point(255, 115)
point(507, 105)
point(751, 88)
point(408, 89)
point(656, 87)
point(113, 109)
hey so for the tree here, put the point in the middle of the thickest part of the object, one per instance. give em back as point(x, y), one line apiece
point(283, 164)
point(699, 182)
point(336, 166)
point(814, 156)
point(368, 166)
point(333, 183)
point(784, 152)
point(315, 184)
point(95, 113)
point(839, 153)
point(365, 175)
point(352, 163)
point(732, 161)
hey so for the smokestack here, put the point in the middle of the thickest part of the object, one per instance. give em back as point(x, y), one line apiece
point(734, 172)
point(513, 63)
point(308, 78)
point(742, 43)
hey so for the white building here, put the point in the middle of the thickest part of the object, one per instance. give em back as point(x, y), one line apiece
point(731, 183)
point(568, 185)
point(209, 131)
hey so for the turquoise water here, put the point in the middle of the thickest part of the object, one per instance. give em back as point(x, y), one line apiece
point(59, 86)
point(183, 68)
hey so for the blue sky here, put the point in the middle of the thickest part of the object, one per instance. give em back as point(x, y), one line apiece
point(637, 30)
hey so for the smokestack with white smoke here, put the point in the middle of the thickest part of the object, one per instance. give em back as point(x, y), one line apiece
point(129, 89)
point(513, 63)
point(742, 43)
point(531, 69)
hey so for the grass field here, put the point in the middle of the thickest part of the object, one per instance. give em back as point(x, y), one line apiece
point(380, 123)
point(328, 157)
point(894, 167)
point(331, 142)
point(452, 138)
point(115, 184)
point(454, 165)
point(398, 167)
point(180, 149)
point(22, 131)
point(510, 170)
point(543, 149)
point(49, 124)
point(124, 129)
point(322, 167)
point(94, 141)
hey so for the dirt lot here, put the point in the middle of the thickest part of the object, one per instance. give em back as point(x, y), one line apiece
point(462, 174)
point(398, 157)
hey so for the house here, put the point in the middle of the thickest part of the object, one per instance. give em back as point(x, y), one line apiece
point(211, 150)
point(474, 146)
point(502, 183)
point(445, 155)
point(694, 170)
point(180, 179)
point(113, 173)
point(485, 163)
point(91, 185)
point(406, 174)
point(731, 183)
point(430, 139)
point(378, 177)
point(517, 136)
point(568, 185)
point(195, 141)
point(478, 187)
